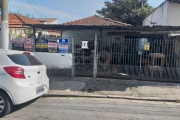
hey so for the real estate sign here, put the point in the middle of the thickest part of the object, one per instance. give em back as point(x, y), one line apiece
point(63, 46)
point(52, 46)
point(42, 44)
point(18, 43)
point(28, 43)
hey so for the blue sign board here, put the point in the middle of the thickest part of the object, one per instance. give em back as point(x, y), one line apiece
point(63, 46)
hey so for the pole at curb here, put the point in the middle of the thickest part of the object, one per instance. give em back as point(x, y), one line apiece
point(4, 25)
point(95, 57)
point(73, 58)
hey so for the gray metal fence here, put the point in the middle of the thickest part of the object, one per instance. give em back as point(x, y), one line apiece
point(148, 59)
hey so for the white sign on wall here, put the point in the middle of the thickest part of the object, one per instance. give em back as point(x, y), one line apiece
point(84, 45)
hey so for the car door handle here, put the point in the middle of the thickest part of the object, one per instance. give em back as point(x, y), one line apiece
point(38, 72)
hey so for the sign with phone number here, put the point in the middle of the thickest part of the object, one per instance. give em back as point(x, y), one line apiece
point(63, 46)
point(52, 45)
point(41, 45)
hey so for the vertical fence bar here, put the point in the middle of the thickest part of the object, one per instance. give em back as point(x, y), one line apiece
point(97, 48)
point(140, 67)
point(73, 58)
point(95, 57)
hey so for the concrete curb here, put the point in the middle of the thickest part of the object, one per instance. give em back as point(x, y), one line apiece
point(113, 97)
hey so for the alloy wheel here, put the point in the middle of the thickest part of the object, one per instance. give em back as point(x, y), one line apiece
point(2, 104)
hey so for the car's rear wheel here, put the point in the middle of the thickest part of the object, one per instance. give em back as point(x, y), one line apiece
point(5, 104)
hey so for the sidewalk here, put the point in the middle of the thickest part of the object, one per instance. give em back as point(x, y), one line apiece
point(113, 88)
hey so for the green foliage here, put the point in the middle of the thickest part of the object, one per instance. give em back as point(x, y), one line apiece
point(20, 36)
point(39, 35)
point(116, 10)
point(29, 32)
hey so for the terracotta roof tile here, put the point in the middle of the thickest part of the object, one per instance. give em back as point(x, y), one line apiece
point(17, 21)
point(24, 19)
point(45, 19)
point(96, 21)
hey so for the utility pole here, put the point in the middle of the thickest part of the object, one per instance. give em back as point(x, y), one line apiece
point(4, 25)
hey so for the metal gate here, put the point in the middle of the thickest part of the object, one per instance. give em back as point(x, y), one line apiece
point(83, 52)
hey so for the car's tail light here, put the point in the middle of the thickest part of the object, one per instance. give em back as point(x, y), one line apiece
point(15, 72)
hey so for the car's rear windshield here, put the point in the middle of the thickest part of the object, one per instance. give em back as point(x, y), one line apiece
point(24, 59)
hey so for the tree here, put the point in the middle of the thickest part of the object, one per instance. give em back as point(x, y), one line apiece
point(39, 35)
point(128, 11)
point(28, 15)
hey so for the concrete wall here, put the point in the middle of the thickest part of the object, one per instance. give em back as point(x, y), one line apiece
point(173, 14)
point(79, 33)
point(159, 15)
point(57, 64)
point(52, 60)
point(88, 34)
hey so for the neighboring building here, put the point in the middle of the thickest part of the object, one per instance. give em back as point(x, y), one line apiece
point(17, 25)
point(47, 20)
point(49, 33)
point(166, 14)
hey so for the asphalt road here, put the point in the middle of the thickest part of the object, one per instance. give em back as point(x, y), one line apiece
point(94, 109)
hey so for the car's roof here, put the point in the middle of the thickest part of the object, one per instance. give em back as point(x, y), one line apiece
point(13, 51)
point(7, 50)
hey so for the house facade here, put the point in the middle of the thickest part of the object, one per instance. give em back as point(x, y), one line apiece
point(123, 54)
point(106, 48)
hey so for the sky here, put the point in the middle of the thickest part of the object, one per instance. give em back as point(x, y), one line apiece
point(64, 10)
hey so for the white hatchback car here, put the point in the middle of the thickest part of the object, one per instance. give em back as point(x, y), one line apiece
point(22, 78)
